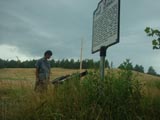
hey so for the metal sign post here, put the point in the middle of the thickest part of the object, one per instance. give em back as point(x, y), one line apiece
point(102, 62)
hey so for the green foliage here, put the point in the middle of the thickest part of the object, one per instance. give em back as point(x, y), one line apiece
point(139, 68)
point(114, 98)
point(2, 63)
point(151, 71)
point(154, 33)
point(126, 65)
point(151, 108)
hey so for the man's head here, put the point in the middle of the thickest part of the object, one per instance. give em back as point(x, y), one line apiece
point(48, 54)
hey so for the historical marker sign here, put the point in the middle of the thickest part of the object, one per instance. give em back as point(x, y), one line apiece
point(106, 20)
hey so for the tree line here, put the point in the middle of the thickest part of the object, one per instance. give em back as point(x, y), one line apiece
point(74, 64)
point(64, 63)
point(127, 65)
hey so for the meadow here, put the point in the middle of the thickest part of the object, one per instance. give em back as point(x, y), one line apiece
point(123, 95)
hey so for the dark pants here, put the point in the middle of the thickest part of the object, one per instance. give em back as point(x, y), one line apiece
point(41, 85)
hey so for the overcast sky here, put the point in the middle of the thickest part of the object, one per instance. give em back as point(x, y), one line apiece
point(29, 27)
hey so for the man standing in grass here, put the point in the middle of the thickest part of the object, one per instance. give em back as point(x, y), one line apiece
point(43, 72)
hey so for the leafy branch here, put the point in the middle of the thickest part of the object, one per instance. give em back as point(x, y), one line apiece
point(154, 33)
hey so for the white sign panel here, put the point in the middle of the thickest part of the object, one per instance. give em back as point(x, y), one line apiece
point(106, 24)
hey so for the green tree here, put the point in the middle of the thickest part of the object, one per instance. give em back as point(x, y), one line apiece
point(126, 65)
point(151, 71)
point(2, 63)
point(139, 68)
point(53, 63)
point(156, 37)
point(107, 64)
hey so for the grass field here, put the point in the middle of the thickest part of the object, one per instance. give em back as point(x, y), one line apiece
point(17, 95)
point(19, 78)
point(25, 78)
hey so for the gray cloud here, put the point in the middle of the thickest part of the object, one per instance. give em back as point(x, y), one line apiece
point(36, 25)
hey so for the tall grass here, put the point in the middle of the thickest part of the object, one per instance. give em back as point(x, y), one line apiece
point(119, 97)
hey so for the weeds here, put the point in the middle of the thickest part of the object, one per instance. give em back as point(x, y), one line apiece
point(118, 97)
